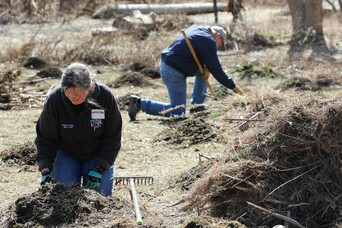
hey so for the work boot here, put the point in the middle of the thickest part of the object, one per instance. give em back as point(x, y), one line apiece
point(197, 108)
point(134, 106)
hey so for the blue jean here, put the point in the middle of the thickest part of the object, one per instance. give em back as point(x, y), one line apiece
point(175, 83)
point(67, 170)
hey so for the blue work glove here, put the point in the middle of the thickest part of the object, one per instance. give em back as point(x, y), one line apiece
point(94, 180)
point(46, 178)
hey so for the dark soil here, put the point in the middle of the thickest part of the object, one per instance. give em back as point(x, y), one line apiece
point(131, 79)
point(50, 72)
point(68, 206)
point(34, 63)
point(144, 69)
point(190, 131)
point(23, 154)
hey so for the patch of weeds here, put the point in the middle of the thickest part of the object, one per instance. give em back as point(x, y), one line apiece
point(249, 71)
point(215, 114)
point(298, 83)
point(241, 154)
point(221, 92)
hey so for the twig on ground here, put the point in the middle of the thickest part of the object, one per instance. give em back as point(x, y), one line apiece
point(293, 179)
point(285, 218)
point(251, 118)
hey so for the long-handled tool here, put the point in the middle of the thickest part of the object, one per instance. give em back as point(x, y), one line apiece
point(135, 202)
point(131, 181)
point(201, 69)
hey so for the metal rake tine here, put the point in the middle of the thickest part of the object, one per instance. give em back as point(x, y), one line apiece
point(144, 180)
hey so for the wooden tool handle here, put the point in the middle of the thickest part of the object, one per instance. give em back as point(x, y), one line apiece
point(135, 202)
point(193, 52)
point(198, 63)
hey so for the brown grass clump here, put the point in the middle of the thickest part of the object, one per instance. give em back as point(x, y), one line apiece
point(292, 165)
point(187, 178)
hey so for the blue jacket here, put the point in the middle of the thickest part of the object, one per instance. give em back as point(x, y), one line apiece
point(76, 130)
point(179, 57)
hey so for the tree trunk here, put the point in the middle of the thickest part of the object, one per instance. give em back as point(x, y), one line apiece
point(8, 3)
point(307, 23)
point(306, 14)
point(27, 7)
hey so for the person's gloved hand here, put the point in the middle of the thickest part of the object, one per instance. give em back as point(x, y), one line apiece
point(238, 90)
point(46, 178)
point(206, 73)
point(94, 180)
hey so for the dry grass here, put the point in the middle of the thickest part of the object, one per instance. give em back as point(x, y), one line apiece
point(63, 41)
point(293, 158)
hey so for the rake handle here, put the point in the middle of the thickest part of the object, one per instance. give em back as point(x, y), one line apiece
point(136, 203)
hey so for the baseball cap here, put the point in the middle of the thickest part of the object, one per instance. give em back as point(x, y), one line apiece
point(219, 30)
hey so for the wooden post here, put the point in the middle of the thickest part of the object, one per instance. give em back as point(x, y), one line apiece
point(215, 11)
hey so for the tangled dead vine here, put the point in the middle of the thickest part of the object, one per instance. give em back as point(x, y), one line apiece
point(292, 165)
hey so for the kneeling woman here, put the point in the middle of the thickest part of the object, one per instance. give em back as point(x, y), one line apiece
point(79, 132)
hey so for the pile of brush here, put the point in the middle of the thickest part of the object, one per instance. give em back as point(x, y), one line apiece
point(290, 166)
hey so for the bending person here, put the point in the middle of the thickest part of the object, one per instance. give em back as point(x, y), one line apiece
point(79, 132)
point(177, 64)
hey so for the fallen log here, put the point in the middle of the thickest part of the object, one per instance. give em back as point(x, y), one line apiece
point(108, 11)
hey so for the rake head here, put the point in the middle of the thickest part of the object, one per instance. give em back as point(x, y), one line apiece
point(136, 180)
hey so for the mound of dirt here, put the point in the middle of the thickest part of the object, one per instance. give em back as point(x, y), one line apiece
point(137, 66)
point(298, 83)
point(248, 71)
point(131, 79)
point(191, 131)
point(144, 69)
point(34, 63)
point(50, 72)
point(68, 206)
point(23, 154)
point(292, 164)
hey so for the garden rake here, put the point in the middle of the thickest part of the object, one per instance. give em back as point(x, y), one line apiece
point(132, 181)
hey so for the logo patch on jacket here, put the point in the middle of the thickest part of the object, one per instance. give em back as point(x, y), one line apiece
point(97, 114)
point(67, 126)
point(95, 123)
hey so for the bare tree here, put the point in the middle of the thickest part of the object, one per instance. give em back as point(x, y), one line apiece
point(307, 25)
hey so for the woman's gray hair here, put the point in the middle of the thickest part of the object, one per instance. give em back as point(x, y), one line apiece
point(76, 75)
